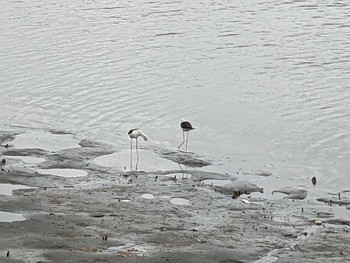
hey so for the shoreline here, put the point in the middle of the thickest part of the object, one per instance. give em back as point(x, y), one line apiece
point(115, 216)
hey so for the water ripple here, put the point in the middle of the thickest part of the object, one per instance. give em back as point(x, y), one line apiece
point(257, 72)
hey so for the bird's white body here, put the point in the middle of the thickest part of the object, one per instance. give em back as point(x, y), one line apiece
point(135, 133)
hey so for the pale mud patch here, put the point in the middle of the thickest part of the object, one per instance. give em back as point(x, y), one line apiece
point(45, 140)
point(262, 173)
point(131, 250)
point(11, 217)
point(189, 159)
point(213, 182)
point(180, 201)
point(177, 176)
point(287, 219)
point(148, 196)
point(342, 212)
point(339, 202)
point(295, 192)
point(30, 255)
point(63, 172)
point(238, 187)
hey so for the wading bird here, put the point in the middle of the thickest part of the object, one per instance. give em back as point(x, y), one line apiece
point(134, 134)
point(186, 127)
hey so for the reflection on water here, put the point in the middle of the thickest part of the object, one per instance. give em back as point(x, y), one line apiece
point(45, 140)
point(27, 159)
point(264, 82)
point(7, 189)
point(63, 172)
point(10, 217)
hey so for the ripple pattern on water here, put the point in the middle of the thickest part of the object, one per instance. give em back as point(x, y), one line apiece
point(265, 81)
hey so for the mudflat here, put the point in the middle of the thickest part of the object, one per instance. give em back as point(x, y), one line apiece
point(71, 209)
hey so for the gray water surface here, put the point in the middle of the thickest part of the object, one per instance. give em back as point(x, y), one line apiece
point(266, 83)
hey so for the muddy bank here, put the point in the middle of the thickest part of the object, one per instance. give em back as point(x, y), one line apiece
point(108, 214)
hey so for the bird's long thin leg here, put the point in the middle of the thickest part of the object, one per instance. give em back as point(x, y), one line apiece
point(131, 155)
point(137, 154)
point(186, 142)
point(183, 139)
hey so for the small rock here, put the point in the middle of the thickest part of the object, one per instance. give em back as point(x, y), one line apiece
point(236, 194)
point(318, 222)
point(245, 201)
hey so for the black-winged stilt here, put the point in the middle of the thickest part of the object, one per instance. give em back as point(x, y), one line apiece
point(134, 134)
point(186, 127)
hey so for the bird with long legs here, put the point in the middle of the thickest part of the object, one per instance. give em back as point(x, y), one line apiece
point(135, 134)
point(186, 127)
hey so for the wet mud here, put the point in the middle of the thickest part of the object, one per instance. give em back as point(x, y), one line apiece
point(189, 214)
